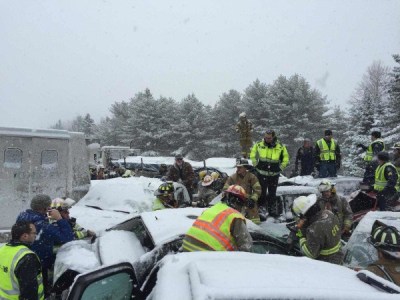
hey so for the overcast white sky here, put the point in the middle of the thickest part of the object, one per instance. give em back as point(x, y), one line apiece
point(62, 58)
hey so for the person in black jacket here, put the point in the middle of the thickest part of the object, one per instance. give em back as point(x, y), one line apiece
point(305, 158)
point(20, 268)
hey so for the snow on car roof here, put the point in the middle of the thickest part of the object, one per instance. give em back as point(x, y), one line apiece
point(169, 223)
point(386, 217)
point(221, 163)
point(239, 275)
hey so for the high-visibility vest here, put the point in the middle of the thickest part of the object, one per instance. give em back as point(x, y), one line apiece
point(9, 258)
point(369, 154)
point(212, 230)
point(398, 178)
point(326, 152)
point(268, 160)
point(380, 180)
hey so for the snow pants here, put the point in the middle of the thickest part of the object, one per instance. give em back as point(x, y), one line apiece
point(245, 145)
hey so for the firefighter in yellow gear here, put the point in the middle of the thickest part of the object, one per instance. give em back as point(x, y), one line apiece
point(245, 128)
point(221, 227)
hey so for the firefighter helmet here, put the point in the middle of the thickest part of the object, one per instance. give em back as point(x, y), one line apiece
point(325, 185)
point(62, 204)
point(207, 180)
point(302, 204)
point(215, 175)
point(386, 238)
point(242, 162)
point(166, 188)
point(237, 191)
point(202, 173)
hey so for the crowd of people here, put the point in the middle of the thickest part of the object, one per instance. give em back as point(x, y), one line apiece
point(27, 261)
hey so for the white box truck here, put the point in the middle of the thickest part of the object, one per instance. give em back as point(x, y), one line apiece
point(53, 162)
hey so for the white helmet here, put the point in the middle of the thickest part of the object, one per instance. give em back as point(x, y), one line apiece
point(242, 115)
point(62, 204)
point(302, 204)
point(325, 185)
point(207, 180)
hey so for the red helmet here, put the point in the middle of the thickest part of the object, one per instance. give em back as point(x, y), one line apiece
point(238, 191)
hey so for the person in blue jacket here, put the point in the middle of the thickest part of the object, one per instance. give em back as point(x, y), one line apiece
point(47, 234)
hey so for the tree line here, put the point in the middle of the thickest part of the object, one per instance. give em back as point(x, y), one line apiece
point(289, 105)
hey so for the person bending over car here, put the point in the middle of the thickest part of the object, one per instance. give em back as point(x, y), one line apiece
point(221, 227)
point(165, 197)
point(318, 230)
point(386, 239)
point(338, 205)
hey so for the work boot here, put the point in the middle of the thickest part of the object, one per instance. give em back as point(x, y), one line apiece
point(262, 213)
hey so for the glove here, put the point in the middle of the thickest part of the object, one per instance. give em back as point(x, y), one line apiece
point(299, 234)
point(251, 203)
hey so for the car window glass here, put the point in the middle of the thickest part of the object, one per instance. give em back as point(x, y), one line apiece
point(262, 247)
point(12, 158)
point(114, 287)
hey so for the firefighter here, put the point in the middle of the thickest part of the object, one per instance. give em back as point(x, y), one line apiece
point(318, 230)
point(206, 192)
point(244, 127)
point(329, 200)
point(270, 157)
point(20, 268)
point(251, 185)
point(221, 227)
point(377, 145)
point(327, 156)
point(165, 197)
point(386, 184)
point(386, 240)
point(63, 206)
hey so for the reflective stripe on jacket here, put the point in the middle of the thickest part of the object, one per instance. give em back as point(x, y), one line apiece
point(269, 161)
point(212, 230)
point(370, 150)
point(322, 238)
point(327, 152)
point(380, 179)
point(9, 258)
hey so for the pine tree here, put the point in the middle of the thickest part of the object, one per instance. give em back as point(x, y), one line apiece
point(393, 125)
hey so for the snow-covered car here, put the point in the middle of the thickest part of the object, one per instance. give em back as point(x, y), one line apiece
point(359, 253)
point(233, 275)
point(144, 240)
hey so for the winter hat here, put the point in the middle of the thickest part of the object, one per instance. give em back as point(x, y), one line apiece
point(328, 132)
point(40, 201)
point(383, 156)
point(178, 156)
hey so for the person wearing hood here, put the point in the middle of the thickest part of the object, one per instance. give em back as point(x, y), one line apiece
point(47, 233)
point(20, 269)
point(182, 172)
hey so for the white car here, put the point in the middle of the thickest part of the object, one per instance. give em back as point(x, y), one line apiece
point(232, 275)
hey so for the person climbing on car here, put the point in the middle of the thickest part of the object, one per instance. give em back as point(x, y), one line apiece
point(165, 197)
point(386, 240)
point(386, 181)
point(221, 227)
point(329, 200)
point(377, 145)
point(182, 172)
point(318, 230)
point(251, 185)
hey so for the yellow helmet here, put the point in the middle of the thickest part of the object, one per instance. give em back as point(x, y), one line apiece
point(215, 175)
point(202, 173)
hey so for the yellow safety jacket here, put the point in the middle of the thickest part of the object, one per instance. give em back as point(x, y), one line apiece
point(380, 180)
point(212, 230)
point(327, 153)
point(269, 161)
point(370, 154)
point(398, 178)
point(9, 258)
